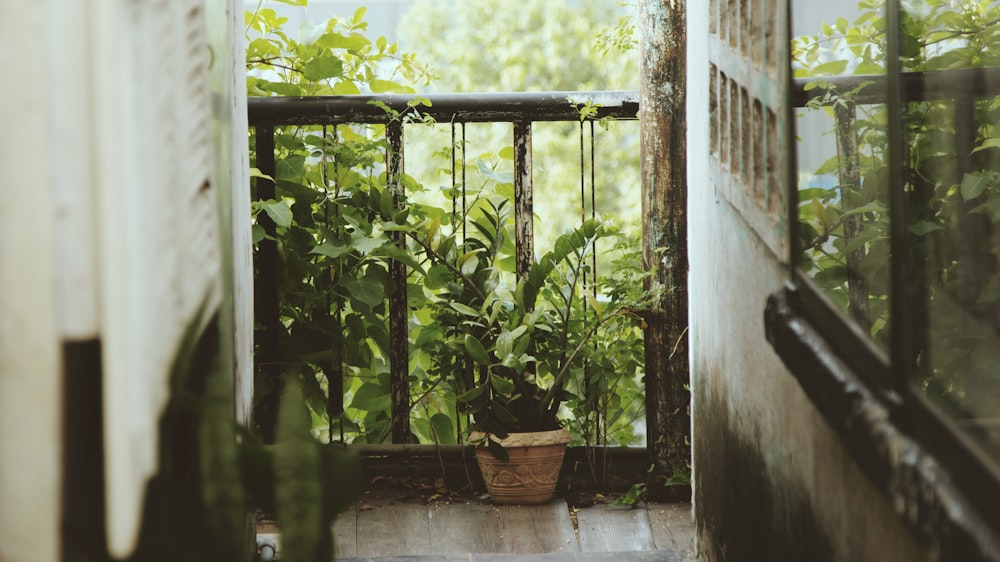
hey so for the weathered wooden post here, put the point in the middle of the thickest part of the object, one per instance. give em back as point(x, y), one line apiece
point(662, 37)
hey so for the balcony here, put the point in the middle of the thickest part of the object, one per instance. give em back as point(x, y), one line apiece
point(378, 524)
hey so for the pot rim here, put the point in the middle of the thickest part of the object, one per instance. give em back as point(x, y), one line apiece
point(559, 436)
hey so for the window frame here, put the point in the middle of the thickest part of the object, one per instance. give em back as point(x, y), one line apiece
point(888, 376)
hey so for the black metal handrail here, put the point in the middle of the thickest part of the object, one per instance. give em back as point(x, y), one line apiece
point(457, 108)
point(397, 111)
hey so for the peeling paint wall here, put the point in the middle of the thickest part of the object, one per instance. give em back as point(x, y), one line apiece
point(771, 480)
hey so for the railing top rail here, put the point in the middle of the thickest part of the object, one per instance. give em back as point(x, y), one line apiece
point(505, 107)
point(916, 86)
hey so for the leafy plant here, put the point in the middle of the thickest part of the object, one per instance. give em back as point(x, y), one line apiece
point(515, 350)
point(212, 473)
point(333, 256)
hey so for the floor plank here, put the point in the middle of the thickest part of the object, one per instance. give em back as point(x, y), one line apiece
point(538, 529)
point(606, 528)
point(393, 530)
point(672, 526)
point(345, 533)
point(463, 528)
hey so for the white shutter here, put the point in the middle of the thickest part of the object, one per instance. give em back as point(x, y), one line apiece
point(159, 236)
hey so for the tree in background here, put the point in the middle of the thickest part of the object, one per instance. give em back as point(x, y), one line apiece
point(539, 45)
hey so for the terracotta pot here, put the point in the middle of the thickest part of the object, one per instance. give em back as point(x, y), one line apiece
point(530, 476)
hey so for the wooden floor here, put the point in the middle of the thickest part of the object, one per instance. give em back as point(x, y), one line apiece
point(474, 530)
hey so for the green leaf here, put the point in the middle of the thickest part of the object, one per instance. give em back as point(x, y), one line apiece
point(868, 67)
point(831, 68)
point(371, 397)
point(923, 227)
point(359, 15)
point(279, 213)
point(974, 184)
point(367, 244)
point(472, 394)
point(464, 309)
point(365, 290)
point(330, 250)
point(501, 384)
point(514, 361)
point(444, 429)
point(505, 343)
point(297, 476)
point(476, 350)
point(353, 42)
point(992, 142)
point(323, 67)
point(282, 88)
point(497, 451)
point(398, 254)
point(256, 173)
point(346, 88)
point(379, 86)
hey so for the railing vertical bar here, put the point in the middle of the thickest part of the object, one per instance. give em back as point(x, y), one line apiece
point(593, 198)
point(465, 211)
point(266, 307)
point(334, 372)
point(583, 174)
point(454, 179)
point(399, 386)
point(523, 204)
point(454, 223)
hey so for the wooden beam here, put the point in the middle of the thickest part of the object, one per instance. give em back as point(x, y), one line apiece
point(662, 127)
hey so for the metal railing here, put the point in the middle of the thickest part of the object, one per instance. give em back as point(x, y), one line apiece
point(396, 113)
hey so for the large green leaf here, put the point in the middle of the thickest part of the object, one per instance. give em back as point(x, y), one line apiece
point(365, 290)
point(444, 429)
point(323, 67)
point(475, 349)
point(974, 184)
point(352, 42)
point(371, 397)
point(331, 249)
point(279, 213)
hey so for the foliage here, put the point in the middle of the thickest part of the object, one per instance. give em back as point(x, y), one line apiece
point(515, 350)
point(336, 219)
point(539, 45)
point(335, 278)
point(634, 495)
point(212, 473)
point(951, 170)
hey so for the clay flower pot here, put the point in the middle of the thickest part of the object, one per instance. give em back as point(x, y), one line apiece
point(529, 476)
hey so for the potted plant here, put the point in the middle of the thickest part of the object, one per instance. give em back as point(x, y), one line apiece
point(514, 349)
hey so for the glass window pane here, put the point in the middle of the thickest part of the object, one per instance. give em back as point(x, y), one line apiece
point(950, 52)
point(838, 58)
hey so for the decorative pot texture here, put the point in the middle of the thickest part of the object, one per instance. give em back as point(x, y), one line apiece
point(530, 476)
